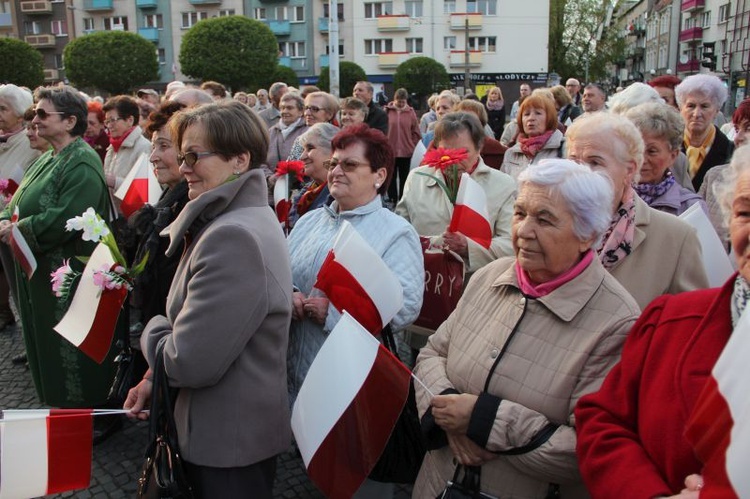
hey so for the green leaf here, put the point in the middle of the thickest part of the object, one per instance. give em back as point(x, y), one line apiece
point(140, 266)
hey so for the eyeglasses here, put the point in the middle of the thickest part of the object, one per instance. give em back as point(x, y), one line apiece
point(313, 109)
point(347, 165)
point(43, 115)
point(191, 158)
point(111, 121)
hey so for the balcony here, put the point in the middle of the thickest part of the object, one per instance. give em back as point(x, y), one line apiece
point(323, 24)
point(146, 4)
point(297, 64)
point(40, 41)
point(399, 22)
point(6, 21)
point(691, 5)
point(458, 21)
point(637, 30)
point(97, 5)
point(690, 66)
point(205, 2)
point(36, 8)
point(691, 35)
point(457, 59)
point(51, 75)
point(391, 59)
point(150, 34)
point(280, 28)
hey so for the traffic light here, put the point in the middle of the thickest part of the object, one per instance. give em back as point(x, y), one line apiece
point(709, 56)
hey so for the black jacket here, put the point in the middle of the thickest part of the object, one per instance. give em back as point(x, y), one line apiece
point(720, 153)
point(376, 118)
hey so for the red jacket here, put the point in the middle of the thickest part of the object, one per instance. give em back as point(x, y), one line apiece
point(631, 432)
point(403, 130)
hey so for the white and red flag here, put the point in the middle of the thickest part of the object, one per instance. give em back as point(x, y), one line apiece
point(139, 187)
point(719, 427)
point(20, 248)
point(15, 175)
point(281, 203)
point(45, 451)
point(347, 407)
point(355, 279)
point(470, 216)
point(90, 321)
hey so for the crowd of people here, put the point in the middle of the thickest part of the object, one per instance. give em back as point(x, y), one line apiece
point(585, 330)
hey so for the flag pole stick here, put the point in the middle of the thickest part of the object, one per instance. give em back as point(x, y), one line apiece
point(421, 383)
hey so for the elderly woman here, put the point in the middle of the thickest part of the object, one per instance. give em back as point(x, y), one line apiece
point(664, 86)
point(631, 434)
point(567, 111)
point(700, 97)
point(538, 136)
point(446, 102)
point(353, 112)
point(635, 95)
point(60, 185)
point(429, 210)
point(316, 151)
point(495, 107)
point(649, 252)
point(35, 141)
point(430, 116)
point(530, 336)
point(228, 309)
point(96, 134)
point(283, 134)
point(492, 151)
point(320, 107)
point(661, 127)
point(403, 135)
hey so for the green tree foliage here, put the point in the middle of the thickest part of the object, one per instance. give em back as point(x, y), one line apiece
point(22, 64)
point(285, 74)
point(113, 61)
point(421, 76)
point(579, 35)
point(235, 50)
point(349, 74)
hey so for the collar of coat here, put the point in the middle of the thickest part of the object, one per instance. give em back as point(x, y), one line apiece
point(365, 209)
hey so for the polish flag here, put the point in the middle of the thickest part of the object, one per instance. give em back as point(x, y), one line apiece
point(15, 175)
point(342, 432)
point(719, 427)
point(21, 251)
point(281, 203)
point(355, 279)
point(470, 216)
point(90, 321)
point(139, 187)
point(45, 451)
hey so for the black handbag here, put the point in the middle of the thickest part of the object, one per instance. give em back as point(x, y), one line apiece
point(162, 474)
point(405, 450)
point(467, 487)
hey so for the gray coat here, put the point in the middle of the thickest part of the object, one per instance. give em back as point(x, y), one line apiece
point(225, 334)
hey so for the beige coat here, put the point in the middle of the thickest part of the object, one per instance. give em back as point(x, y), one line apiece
point(515, 161)
point(665, 259)
point(427, 208)
point(564, 345)
point(16, 152)
point(119, 163)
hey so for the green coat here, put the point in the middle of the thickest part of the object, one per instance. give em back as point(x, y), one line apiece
point(55, 188)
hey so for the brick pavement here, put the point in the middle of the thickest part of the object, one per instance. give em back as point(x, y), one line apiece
point(117, 461)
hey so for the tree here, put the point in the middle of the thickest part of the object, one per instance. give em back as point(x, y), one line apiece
point(235, 50)
point(22, 65)
point(285, 74)
point(113, 61)
point(349, 74)
point(421, 76)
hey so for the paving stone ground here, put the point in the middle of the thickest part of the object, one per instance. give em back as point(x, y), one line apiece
point(117, 461)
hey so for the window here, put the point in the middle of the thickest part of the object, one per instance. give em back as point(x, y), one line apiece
point(449, 6)
point(5, 7)
point(724, 12)
point(341, 49)
point(294, 50)
point(413, 8)
point(414, 45)
point(664, 24)
point(339, 10)
point(723, 46)
point(690, 22)
point(449, 43)
point(375, 9)
point(706, 19)
point(88, 24)
point(153, 21)
point(292, 14)
point(486, 7)
point(116, 23)
point(32, 28)
point(378, 46)
point(59, 28)
point(190, 19)
point(161, 55)
point(260, 13)
point(226, 12)
point(483, 43)
point(59, 63)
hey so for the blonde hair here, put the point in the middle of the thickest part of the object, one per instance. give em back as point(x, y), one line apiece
point(473, 106)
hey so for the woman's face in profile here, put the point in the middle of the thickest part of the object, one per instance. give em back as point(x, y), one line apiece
point(739, 224)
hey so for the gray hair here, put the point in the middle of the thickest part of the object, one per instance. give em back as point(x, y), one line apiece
point(634, 95)
point(723, 189)
point(19, 99)
point(276, 88)
point(320, 134)
point(660, 120)
point(709, 86)
point(454, 123)
point(587, 194)
point(294, 96)
point(68, 101)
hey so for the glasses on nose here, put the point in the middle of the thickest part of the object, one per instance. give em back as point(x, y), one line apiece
point(313, 109)
point(191, 158)
point(43, 115)
point(111, 121)
point(348, 166)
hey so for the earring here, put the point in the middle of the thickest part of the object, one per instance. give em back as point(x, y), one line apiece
point(377, 185)
point(236, 172)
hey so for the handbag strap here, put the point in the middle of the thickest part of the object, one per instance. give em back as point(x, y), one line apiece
point(161, 419)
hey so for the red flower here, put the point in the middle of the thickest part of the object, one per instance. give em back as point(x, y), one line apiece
point(291, 167)
point(442, 158)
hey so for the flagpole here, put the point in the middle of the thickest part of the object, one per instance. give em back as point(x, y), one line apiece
point(74, 413)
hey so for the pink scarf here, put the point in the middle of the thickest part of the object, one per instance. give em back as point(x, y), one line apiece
point(528, 288)
point(532, 145)
point(617, 242)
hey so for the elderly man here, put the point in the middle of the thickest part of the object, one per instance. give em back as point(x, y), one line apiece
point(593, 98)
point(376, 117)
point(275, 93)
point(191, 97)
point(149, 95)
point(524, 91)
point(573, 87)
point(263, 103)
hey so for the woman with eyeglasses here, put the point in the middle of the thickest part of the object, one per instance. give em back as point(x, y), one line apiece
point(60, 185)
point(224, 336)
point(319, 107)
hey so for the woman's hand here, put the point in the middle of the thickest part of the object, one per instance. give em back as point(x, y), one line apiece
point(456, 242)
point(138, 397)
point(316, 309)
point(467, 452)
point(5, 228)
point(453, 412)
point(692, 490)
point(298, 303)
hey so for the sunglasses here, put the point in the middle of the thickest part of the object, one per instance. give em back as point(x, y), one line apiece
point(348, 166)
point(43, 115)
point(191, 158)
point(313, 109)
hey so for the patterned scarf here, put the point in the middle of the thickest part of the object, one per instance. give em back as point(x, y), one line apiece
point(310, 195)
point(495, 105)
point(617, 243)
point(740, 298)
point(649, 192)
point(696, 155)
point(532, 145)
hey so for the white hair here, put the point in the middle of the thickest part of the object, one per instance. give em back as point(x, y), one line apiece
point(634, 95)
point(724, 186)
point(321, 134)
point(18, 98)
point(589, 195)
point(709, 86)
